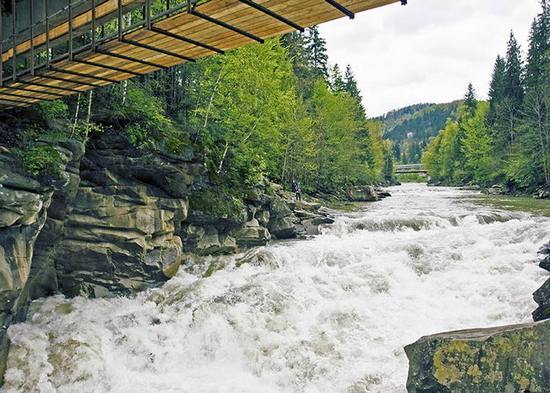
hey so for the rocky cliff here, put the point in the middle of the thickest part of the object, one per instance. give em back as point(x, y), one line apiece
point(508, 359)
point(24, 206)
point(115, 219)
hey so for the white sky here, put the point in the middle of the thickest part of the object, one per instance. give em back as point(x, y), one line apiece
point(427, 51)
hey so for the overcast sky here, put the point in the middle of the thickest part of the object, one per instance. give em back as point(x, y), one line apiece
point(427, 51)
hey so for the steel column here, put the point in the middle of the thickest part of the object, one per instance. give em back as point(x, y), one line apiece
point(70, 11)
point(93, 25)
point(47, 34)
point(14, 40)
point(1, 50)
point(31, 30)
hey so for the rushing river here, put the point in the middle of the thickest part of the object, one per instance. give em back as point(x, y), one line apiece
point(329, 314)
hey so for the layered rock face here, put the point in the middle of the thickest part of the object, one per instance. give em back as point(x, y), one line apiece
point(508, 359)
point(542, 295)
point(119, 232)
point(267, 215)
point(24, 205)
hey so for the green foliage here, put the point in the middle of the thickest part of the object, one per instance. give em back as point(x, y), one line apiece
point(219, 202)
point(411, 178)
point(53, 111)
point(507, 140)
point(41, 160)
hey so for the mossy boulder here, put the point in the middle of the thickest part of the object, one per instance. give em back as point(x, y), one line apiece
point(510, 359)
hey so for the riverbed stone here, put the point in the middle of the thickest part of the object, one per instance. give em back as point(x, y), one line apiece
point(509, 359)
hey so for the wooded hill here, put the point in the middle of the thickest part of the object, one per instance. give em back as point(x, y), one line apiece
point(411, 128)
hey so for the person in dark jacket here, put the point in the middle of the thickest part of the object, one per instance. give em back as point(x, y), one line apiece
point(296, 190)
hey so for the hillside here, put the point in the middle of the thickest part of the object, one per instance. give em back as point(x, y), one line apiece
point(411, 128)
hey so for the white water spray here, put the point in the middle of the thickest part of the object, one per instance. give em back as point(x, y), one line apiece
point(330, 314)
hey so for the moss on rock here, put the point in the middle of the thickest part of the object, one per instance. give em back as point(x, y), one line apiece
point(512, 359)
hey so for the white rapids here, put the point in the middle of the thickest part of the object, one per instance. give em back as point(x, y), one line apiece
point(329, 314)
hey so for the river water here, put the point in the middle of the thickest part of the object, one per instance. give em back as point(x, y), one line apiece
point(330, 314)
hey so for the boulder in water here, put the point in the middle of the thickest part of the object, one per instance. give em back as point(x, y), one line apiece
point(514, 359)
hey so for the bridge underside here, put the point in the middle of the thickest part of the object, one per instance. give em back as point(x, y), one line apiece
point(114, 40)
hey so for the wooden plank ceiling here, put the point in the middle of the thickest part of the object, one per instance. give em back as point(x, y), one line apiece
point(194, 26)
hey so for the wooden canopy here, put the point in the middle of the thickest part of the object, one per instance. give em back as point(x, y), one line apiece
point(188, 32)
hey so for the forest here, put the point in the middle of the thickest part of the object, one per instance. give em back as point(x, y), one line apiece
point(505, 140)
point(273, 111)
point(411, 128)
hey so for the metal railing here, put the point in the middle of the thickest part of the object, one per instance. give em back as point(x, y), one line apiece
point(88, 37)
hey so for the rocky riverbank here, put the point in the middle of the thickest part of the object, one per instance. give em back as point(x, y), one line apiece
point(115, 220)
point(508, 359)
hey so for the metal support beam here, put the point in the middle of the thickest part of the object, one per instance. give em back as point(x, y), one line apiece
point(3, 93)
point(185, 39)
point(128, 58)
point(267, 11)
point(31, 90)
point(225, 25)
point(75, 73)
point(57, 78)
point(15, 102)
point(159, 50)
point(105, 66)
point(341, 8)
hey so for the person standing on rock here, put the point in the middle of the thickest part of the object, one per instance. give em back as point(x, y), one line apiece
point(296, 190)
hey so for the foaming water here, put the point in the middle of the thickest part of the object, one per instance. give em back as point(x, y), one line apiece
point(330, 314)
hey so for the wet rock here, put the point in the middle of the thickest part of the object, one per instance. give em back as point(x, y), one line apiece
point(542, 297)
point(121, 229)
point(24, 203)
point(362, 194)
point(497, 189)
point(497, 360)
point(252, 235)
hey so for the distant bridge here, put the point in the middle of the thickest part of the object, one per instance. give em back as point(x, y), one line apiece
point(53, 48)
point(411, 168)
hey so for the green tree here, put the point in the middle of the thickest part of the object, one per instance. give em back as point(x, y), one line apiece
point(496, 89)
point(316, 47)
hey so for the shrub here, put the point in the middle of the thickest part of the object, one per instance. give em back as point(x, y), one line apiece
point(41, 160)
point(217, 203)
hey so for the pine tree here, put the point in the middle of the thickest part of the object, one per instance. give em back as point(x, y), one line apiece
point(317, 52)
point(336, 79)
point(497, 89)
point(470, 100)
point(514, 89)
point(353, 90)
point(539, 46)
point(351, 83)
